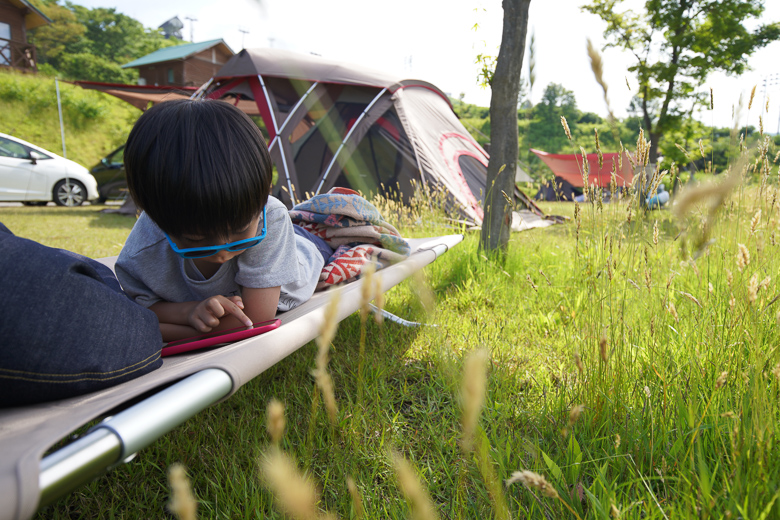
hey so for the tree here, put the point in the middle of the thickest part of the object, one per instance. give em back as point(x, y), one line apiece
point(676, 45)
point(505, 85)
point(93, 44)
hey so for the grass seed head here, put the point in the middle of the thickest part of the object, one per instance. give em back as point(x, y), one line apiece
point(417, 496)
point(598, 148)
point(655, 233)
point(533, 481)
point(673, 311)
point(743, 257)
point(357, 501)
point(752, 95)
point(330, 321)
point(752, 288)
point(472, 394)
point(531, 282)
point(603, 349)
point(729, 278)
point(575, 413)
point(755, 222)
point(617, 440)
point(614, 511)
point(776, 370)
point(367, 290)
point(275, 421)
point(379, 299)
point(565, 125)
point(296, 495)
point(597, 66)
point(182, 504)
point(721, 380)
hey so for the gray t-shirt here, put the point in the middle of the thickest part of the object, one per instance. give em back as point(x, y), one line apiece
point(150, 271)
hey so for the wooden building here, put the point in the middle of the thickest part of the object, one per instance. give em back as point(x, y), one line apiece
point(16, 18)
point(187, 65)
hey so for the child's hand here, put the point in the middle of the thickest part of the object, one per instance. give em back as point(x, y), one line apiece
point(206, 314)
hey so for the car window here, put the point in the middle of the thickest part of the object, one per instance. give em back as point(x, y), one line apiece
point(118, 157)
point(13, 149)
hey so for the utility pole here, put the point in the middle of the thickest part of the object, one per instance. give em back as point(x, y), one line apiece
point(192, 27)
point(243, 32)
point(770, 83)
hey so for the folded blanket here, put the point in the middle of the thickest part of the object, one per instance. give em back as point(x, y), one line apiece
point(342, 217)
point(355, 229)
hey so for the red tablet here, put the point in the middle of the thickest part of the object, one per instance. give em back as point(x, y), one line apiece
point(217, 338)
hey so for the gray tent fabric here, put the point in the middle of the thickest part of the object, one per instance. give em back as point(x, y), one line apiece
point(336, 124)
point(26, 433)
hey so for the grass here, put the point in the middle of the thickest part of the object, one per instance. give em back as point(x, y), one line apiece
point(95, 123)
point(676, 363)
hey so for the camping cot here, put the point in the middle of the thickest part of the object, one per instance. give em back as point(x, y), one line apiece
point(183, 386)
point(335, 124)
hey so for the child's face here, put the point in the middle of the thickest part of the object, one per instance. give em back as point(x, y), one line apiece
point(187, 241)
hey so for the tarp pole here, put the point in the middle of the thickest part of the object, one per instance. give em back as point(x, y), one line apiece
point(62, 135)
point(124, 434)
point(346, 138)
point(202, 89)
point(276, 132)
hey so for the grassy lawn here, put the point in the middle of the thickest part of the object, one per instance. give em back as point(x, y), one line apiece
point(675, 360)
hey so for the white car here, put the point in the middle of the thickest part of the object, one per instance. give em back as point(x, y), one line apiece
point(32, 175)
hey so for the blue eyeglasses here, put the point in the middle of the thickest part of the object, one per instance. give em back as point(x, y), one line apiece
point(202, 252)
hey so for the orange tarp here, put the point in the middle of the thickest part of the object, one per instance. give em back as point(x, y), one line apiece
point(570, 168)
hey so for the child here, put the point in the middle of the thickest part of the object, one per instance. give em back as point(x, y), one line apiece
point(211, 250)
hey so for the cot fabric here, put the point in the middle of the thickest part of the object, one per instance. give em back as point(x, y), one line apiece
point(66, 326)
point(150, 271)
point(26, 433)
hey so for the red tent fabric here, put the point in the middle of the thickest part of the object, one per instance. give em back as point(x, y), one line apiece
point(570, 166)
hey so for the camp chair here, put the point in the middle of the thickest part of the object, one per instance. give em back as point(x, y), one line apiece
point(142, 410)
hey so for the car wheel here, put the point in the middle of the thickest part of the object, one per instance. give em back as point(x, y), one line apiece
point(72, 193)
point(35, 203)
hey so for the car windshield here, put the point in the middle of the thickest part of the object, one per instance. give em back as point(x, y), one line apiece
point(13, 149)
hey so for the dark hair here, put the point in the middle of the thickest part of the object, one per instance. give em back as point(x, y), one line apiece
point(198, 167)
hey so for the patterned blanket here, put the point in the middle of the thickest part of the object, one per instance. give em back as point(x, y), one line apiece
point(354, 228)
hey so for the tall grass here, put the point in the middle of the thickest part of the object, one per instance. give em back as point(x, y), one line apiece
point(631, 369)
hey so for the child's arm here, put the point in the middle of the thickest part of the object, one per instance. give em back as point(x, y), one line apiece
point(182, 320)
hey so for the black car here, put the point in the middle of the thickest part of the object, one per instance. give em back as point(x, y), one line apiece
point(110, 175)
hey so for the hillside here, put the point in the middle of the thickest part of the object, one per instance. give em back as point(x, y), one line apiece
point(95, 123)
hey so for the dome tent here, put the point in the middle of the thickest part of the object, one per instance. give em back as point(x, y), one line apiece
point(332, 124)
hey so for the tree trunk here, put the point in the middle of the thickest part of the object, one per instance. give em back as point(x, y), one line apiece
point(505, 86)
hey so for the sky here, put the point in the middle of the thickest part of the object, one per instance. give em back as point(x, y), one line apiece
point(438, 41)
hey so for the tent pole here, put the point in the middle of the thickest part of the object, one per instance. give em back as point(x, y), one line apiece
point(291, 114)
point(346, 138)
point(276, 132)
point(124, 434)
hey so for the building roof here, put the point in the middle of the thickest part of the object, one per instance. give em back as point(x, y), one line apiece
point(33, 18)
point(177, 52)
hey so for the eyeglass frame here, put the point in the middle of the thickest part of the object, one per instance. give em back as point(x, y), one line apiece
point(212, 250)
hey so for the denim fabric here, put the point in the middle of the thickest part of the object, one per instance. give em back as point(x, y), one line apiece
point(66, 327)
point(325, 250)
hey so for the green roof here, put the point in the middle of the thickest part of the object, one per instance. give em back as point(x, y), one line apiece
point(177, 52)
